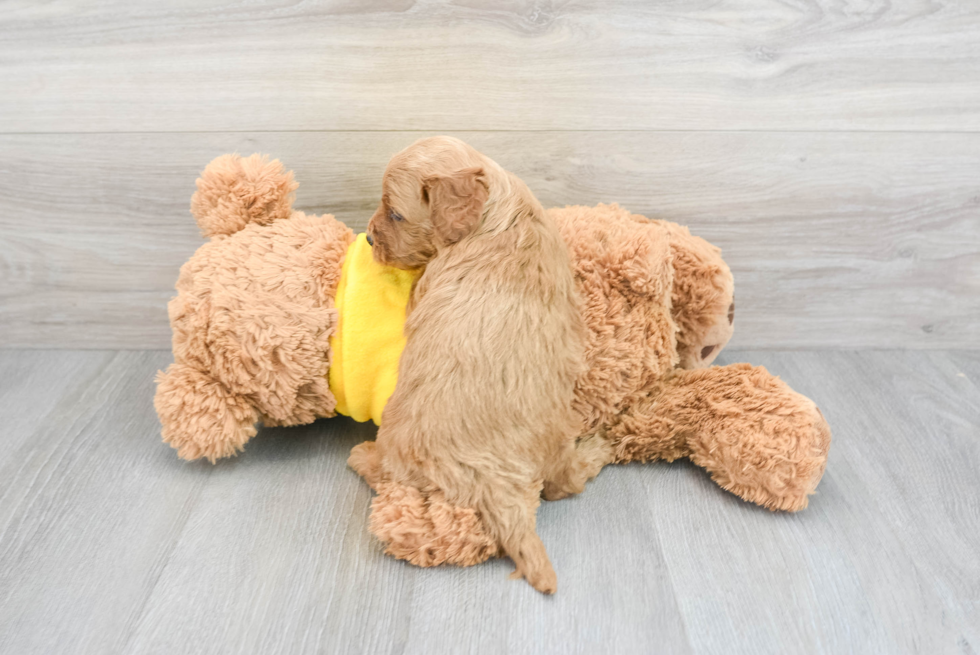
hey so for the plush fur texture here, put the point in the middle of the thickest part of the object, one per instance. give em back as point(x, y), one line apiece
point(702, 298)
point(254, 312)
point(235, 192)
point(756, 437)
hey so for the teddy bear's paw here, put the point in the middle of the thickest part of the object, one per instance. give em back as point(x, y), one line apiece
point(787, 481)
point(200, 417)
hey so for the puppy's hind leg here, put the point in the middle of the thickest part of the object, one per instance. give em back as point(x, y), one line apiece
point(578, 462)
point(509, 513)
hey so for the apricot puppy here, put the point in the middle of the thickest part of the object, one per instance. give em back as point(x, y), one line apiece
point(482, 409)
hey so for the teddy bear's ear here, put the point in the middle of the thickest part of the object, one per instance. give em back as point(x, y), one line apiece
point(455, 203)
point(235, 191)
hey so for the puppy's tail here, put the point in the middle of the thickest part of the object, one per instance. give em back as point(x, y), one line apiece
point(234, 191)
point(508, 512)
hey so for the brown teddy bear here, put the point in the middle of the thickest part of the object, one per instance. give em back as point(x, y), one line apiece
point(256, 314)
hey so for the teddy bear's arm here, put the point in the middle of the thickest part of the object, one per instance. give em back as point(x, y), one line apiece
point(757, 437)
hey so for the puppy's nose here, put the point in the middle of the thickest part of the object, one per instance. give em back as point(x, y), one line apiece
point(370, 240)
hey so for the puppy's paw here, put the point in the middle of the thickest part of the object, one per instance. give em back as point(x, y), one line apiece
point(554, 491)
point(366, 462)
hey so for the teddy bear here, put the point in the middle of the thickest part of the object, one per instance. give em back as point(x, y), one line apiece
point(282, 318)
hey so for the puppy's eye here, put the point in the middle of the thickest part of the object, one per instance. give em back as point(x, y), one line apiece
point(395, 216)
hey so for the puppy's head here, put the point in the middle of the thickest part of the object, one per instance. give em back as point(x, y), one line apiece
point(433, 195)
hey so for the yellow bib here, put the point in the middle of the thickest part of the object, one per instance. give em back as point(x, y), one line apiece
point(371, 301)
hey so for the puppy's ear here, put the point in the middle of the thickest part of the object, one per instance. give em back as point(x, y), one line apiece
point(455, 202)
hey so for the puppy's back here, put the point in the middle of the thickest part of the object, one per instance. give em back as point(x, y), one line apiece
point(483, 406)
point(495, 345)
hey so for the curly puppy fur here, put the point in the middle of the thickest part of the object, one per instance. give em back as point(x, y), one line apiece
point(494, 345)
point(424, 529)
point(253, 313)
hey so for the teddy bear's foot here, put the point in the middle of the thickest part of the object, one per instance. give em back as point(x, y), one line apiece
point(427, 530)
point(757, 437)
point(784, 484)
point(200, 417)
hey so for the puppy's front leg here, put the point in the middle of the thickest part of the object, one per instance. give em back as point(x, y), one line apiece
point(366, 462)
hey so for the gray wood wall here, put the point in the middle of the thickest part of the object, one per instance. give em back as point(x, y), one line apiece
point(830, 147)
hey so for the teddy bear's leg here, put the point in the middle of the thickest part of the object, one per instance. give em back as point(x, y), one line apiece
point(426, 530)
point(278, 361)
point(200, 417)
point(757, 437)
point(702, 298)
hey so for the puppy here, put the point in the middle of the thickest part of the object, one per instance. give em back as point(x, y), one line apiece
point(482, 408)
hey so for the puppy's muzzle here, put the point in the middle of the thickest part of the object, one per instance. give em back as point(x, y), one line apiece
point(370, 240)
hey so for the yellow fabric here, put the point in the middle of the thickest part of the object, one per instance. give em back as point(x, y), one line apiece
point(371, 300)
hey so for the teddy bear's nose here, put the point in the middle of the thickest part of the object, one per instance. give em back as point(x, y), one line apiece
point(370, 240)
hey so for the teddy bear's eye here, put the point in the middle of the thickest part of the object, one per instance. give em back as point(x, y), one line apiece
point(395, 216)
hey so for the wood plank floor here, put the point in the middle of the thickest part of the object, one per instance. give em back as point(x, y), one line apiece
point(108, 543)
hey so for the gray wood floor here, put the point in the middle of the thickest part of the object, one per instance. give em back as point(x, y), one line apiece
point(109, 544)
